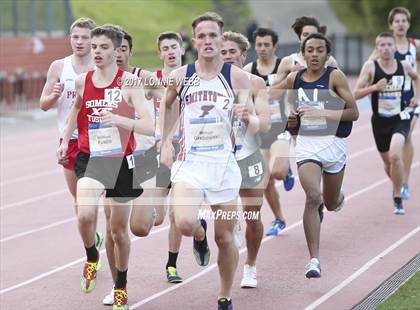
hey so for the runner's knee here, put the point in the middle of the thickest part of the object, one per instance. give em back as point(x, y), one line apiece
point(313, 198)
point(140, 229)
point(223, 239)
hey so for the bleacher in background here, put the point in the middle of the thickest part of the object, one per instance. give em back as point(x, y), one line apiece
point(24, 62)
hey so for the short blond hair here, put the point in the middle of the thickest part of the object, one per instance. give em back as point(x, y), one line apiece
point(238, 38)
point(208, 16)
point(83, 22)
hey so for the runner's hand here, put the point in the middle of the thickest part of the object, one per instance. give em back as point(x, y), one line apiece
point(381, 84)
point(241, 112)
point(61, 154)
point(108, 118)
point(57, 90)
point(310, 112)
point(292, 120)
point(167, 153)
point(413, 103)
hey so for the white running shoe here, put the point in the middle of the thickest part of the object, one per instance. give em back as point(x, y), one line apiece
point(237, 235)
point(313, 269)
point(109, 299)
point(249, 279)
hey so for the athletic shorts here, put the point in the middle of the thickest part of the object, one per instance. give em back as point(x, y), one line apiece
point(329, 152)
point(72, 152)
point(220, 182)
point(146, 165)
point(163, 176)
point(252, 170)
point(112, 172)
point(385, 128)
point(268, 138)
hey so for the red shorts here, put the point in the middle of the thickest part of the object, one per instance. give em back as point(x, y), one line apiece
point(72, 152)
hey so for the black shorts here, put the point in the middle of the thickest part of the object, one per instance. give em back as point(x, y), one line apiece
point(252, 170)
point(112, 172)
point(384, 128)
point(268, 138)
point(146, 165)
point(163, 176)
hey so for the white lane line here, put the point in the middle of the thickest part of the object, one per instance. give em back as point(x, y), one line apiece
point(33, 199)
point(30, 177)
point(43, 275)
point(351, 156)
point(201, 273)
point(22, 234)
point(359, 272)
point(77, 261)
point(211, 267)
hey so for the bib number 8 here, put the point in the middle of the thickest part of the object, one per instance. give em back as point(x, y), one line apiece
point(255, 170)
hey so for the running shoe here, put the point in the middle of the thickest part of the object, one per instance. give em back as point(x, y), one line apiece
point(313, 269)
point(99, 240)
point(120, 299)
point(237, 235)
point(224, 304)
point(276, 228)
point(201, 249)
point(249, 279)
point(109, 299)
point(399, 209)
point(88, 279)
point(405, 195)
point(172, 275)
point(289, 180)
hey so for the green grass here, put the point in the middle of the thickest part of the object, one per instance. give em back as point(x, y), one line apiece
point(406, 297)
point(144, 20)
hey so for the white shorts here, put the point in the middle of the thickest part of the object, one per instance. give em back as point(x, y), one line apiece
point(220, 182)
point(329, 152)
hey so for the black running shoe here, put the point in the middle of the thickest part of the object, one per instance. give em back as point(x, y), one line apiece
point(201, 249)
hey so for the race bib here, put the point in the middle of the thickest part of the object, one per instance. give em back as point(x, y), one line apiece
point(207, 133)
point(255, 170)
point(104, 140)
point(113, 95)
point(389, 101)
point(313, 123)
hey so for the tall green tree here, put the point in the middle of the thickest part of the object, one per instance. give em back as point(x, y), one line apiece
point(371, 16)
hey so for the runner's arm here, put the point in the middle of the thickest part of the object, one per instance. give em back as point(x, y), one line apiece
point(341, 86)
point(414, 76)
point(53, 88)
point(292, 120)
point(363, 85)
point(248, 67)
point(74, 111)
point(168, 110)
point(243, 108)
point(260, 101)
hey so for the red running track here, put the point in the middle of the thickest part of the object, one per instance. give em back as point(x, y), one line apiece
point(42, 254)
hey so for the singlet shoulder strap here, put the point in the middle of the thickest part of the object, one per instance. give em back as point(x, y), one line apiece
point(298, 77)
point(276, 66)
point(226, 72)
point(254, 68)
